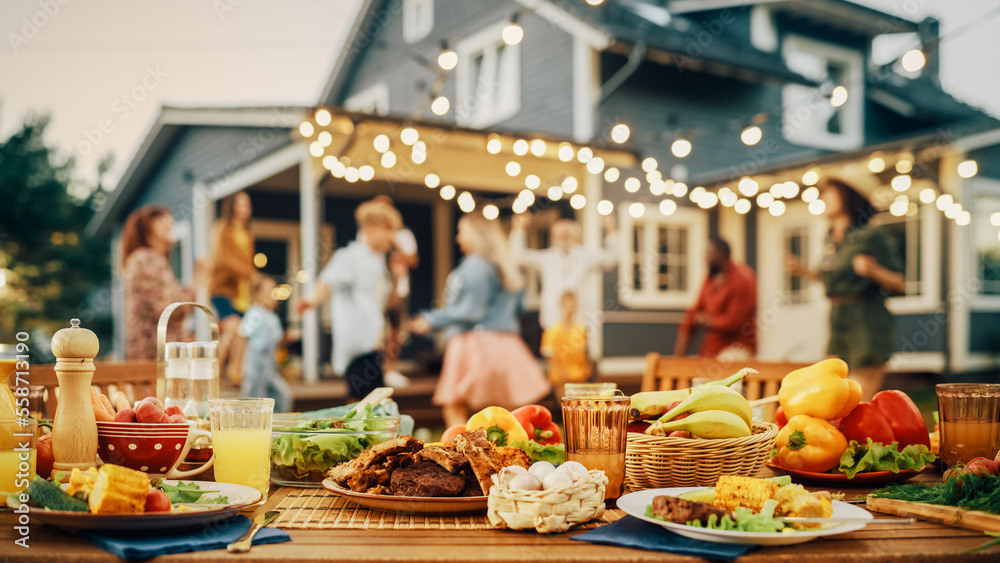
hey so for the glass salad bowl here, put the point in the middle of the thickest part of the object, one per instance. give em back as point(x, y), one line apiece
point(304, 449)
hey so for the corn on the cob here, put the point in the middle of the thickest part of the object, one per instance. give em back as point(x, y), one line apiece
point(732, 491)
point(82, 482)
point(794, 500)
point(119, 490)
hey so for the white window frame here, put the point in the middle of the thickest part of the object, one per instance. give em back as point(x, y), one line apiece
point(505, 99)
point(804, 109)
point(291, 233)
point(970, 188)
point(373, 100)
point(418, 19)
point(928, 301)
point(696, 222)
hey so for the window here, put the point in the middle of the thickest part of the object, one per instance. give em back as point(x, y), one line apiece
point(374, 100)
point(904, 238)
point(985, 219)
point(796, 244)
point(488, 78)
point(664, 258)
point(418, 19)
point(809, 117)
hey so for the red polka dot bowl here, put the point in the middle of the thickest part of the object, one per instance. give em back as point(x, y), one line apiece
point(157, 449)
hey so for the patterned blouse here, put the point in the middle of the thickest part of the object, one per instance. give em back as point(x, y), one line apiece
point(150, 285)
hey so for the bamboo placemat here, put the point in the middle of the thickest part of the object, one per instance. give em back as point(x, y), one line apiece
point(317, 509)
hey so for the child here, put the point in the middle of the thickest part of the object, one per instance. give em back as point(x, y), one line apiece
point(262, 330)
point(357, 282)
point(564, 345)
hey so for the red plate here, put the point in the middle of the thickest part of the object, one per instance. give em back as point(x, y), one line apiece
point(875, 477)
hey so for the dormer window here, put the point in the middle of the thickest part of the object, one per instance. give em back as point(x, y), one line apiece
point(831, 115)
point(487, 78)
point(418, 19)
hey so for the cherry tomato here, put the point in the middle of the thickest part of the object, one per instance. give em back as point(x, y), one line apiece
point(43, 456)
point(157, 501)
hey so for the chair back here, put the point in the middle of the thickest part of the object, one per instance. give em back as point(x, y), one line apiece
point(136, 378)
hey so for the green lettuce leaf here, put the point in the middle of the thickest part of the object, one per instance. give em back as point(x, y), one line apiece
point(554, 454)
point(189, 492)
point(876, 456)
point(298, 456)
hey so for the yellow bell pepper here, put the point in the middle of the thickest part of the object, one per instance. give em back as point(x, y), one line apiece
point(821, 390)
point(501, 427)
point(810, 444)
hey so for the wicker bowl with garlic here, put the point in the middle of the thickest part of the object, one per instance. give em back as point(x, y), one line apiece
point(546, 498)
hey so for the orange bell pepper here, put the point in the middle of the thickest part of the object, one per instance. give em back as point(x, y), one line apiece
point(821, 390)
point(811, 444)
point(501, 427)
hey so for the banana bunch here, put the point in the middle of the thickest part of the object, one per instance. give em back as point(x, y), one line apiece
point(712, 410)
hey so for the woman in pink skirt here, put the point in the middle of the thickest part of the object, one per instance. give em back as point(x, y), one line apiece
point(485, 362)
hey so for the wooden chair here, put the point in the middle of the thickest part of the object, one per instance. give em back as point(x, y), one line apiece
point(667, 372)
point(136, 378)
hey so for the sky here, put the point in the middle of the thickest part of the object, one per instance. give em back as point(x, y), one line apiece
point(117, 61)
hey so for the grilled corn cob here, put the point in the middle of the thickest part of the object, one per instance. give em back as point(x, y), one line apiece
point(794, 500)
point(82, 482)
point(732, 491)
point(118, 490)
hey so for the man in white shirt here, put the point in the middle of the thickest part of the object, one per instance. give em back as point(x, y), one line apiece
point(565, 266)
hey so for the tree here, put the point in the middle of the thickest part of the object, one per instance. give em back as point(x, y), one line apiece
point(48, 268)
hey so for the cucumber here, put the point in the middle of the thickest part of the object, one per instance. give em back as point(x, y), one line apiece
point(51, 496)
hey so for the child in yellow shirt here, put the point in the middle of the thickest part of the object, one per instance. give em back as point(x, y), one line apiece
point(564, 346)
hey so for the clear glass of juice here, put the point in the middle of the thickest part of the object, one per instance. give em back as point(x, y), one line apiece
point(586, 389)
point(18, 451)
point(241, 437)
point(969, 415)
point(595, 434)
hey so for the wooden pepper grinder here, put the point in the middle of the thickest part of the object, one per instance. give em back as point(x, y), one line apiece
point(74, 430)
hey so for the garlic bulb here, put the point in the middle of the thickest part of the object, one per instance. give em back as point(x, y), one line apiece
point(507, 474)
point(526, 482)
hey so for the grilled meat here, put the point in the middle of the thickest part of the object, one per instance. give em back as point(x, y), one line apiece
point(426, 479)
point(682, 511)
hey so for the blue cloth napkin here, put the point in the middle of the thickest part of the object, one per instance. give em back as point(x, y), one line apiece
point(140, 545)
point(639, 534)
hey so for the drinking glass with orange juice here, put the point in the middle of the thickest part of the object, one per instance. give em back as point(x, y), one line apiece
point(241, 438)
point(595, 431)
point(969, 421)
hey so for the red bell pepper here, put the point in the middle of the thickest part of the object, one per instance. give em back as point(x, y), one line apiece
point(908, 426)
point(537, 422)
point(780, 418)
point(866, 421)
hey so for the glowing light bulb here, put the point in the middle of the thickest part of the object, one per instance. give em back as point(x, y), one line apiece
point(306, 129)
point(901, 183)
point(649, 164)
point(432, 180)
point(636, 210)
point(765, 200)
point(668, 207)
point(876, 164)
point(680, 189)
point(968, 168)
point(532, 182)
point(584, 154)
point(927, 195)
point(366, 173)
point(810, 178)
point(440, 105)
point(680, 148)
point(751, 135)
point(409, 136)
point(527, 196)
point(570, 184)
point(777, 208)
point(913, 60)
point(513, 168)
point(316, 149)
point(611, 174)
point(742, 206)
point(491, 211)
point(632, 185)
point(520, 147)
point(466, 202)
point(538, 147)
point(381, 143)
point(323, 117)
point(555, 193)
point(605, 207)
point(578, 201)
point(708, 200)
point(944, 201)
point(838, 97)
point(388, 159)
point(817, 207)
point(565, 152)
point(447, 59)
point(748, 187)
point(512, 33)
point(447, 192)
point(810, 194)
point(595, 165)
point(620, 133)
point(904, 166)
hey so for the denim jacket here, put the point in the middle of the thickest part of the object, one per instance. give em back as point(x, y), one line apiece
point(476, 300)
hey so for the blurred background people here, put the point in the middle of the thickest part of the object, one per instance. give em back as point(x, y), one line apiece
point(358, 284)
point(726, 309)
point(261, 329)
point(859, 270)
point(232, 269)
point(149, 281)
point(565, 265)
point(485, 361)
point(564, 346)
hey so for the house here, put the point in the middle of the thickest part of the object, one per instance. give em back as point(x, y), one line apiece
point(684, 118)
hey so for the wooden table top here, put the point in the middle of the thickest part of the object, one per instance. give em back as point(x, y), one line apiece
point(920, 542)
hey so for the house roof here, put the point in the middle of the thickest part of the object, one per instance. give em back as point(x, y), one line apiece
point(168, 125)
point(921, 97)
point(838, 14)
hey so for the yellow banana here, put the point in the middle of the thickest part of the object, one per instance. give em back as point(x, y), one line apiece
point(712, 397)
point(652, 404)
point(705, 424)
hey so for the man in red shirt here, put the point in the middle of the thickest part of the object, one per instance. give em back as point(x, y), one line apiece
point(726, 308)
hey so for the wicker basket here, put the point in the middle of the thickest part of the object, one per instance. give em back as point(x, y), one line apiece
point(656, 461)
point(554, 510)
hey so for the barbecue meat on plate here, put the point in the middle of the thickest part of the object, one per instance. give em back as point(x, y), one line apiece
point(682, 511)
point(426, 479)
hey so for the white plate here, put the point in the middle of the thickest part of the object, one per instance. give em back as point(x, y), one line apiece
point(635, 505)
point(410, 505)
point(240, 497)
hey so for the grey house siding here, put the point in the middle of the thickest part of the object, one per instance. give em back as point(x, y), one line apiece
point(546, 65)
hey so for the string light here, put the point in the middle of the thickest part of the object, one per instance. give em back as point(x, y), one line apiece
point(513, 168)
point(306, 129)
point(776, 190)
point(519, 206)
point(696, 194)
point(584, 154)
point(791, 189)
point(913, 60)
point(409, 136)
point(418, 156)
point(447, 192)
point(657, 187)
point(337, 169)
point(620, 133)
point(491, 211)
point(636, 210)
point(876, 164)
point(953, 210)
point(995, 219)
point(323, 117)
point(838, 97)
point(381, 143)
point(351, 174)
point(901, 183)
point(968, 168)
point(817, 207)
point(927, 195)
point(520, 147)
point(555, 193)
point(316, 149)
point(532, 181)
point(944, 201)
point(605, 207)
point(388, 159)
point(493, 146)
point(777, 208)
point(810, 178)
point(632, 185)
point(324, 138)
point(727, 197)
point(963, 219)
point(447, 58)
point(680, 148)
point(810, 194)
point(764, 200)
point(899, 207)
point(751, 135)
point(680, 189)
point(527, 196)
point(578, 201)
point(538, 147)
point(649, 164)
point(742, 206)
point(466, 202)
point(440, 105)
point(512, 33)
point(570, 184)
point(708, 200)
point(748, 187)
point(329, 161)
point(595, 165)
point(654, 176)
point(366, 173)
point(611, 174)
point(432, 180)
point(904, 166)
point(668, 207)
point(565, 152)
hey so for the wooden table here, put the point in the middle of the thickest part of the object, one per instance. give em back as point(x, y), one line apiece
point(904, 543)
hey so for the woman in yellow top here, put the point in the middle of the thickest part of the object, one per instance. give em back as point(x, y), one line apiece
point(232, 270)
point(564, 346)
